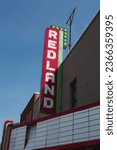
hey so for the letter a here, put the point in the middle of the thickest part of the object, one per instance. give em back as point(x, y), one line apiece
point(50, 76)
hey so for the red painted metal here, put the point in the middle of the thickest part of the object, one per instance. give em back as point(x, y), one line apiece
point(50, 65)
point(9, 137)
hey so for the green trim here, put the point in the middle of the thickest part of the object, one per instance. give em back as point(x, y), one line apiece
point(65, 34)
point(59, 74)
point(6, 135)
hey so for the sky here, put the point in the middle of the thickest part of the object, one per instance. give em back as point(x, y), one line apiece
point(22, 27)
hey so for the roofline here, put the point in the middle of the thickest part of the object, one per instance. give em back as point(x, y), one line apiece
point(86, 29)
point(90, 105)
point(31, 100)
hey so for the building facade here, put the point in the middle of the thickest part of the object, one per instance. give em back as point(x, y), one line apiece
point(81, 69)
point(77, 126)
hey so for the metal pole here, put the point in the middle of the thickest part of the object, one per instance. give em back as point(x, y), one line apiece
point(70, 33)
point(69, 22)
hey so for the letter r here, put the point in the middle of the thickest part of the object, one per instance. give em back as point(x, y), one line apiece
point(52, 34)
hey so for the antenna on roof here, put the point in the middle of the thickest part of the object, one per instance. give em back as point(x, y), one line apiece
point(69, 22)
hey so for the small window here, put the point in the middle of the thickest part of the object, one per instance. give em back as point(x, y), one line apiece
point(73, 88)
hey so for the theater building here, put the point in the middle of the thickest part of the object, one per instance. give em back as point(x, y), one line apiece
point(76, 126)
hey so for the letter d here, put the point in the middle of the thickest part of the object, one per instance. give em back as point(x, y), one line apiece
point(48, 102)
point(51, 54)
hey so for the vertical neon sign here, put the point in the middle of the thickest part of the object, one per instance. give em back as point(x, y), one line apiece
point(49, 71)
point(51, 83)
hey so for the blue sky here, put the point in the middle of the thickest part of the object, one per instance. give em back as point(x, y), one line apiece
point(22, 27)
